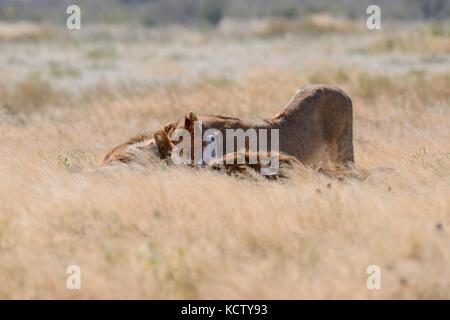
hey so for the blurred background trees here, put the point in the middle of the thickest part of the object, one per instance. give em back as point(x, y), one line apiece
point(160, 12)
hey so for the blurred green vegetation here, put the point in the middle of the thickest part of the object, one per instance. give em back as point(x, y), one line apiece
point(160, 12)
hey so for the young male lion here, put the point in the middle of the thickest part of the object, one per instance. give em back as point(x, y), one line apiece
point(142, 150)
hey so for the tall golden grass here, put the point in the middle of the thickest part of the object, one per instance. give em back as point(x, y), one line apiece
point(185, 233)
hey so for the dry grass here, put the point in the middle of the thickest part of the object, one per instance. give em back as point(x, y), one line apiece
point(409, 43)
point(30, 94)
point(316, 24)
point(181, 233)
point(24, 31)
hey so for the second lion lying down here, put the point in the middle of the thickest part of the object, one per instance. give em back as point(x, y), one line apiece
point(145, 150)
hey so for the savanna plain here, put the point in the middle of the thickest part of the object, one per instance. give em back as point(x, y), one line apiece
point(67, 97)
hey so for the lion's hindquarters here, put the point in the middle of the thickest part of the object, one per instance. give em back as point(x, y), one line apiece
point(337, 118)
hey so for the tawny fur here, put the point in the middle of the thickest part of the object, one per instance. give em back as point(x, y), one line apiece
point(151, 149)
point(142, 149)
point(315, 126)
point(242, 163)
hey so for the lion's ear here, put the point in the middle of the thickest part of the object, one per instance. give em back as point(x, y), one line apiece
point(163, 142)
point(189, 120)
point(169, 128)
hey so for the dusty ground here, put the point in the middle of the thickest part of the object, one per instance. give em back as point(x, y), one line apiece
point(66, 97)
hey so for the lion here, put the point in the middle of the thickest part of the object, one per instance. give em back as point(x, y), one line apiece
point(315, 126)
point(241, 164)
point(142, 150)
point(146, 149)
